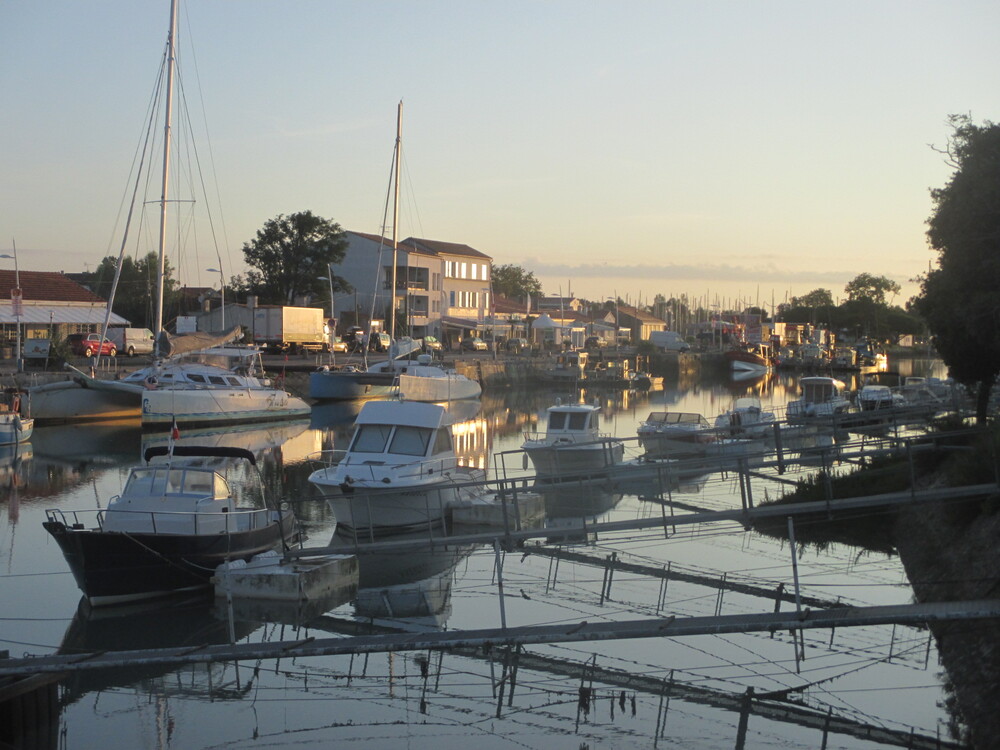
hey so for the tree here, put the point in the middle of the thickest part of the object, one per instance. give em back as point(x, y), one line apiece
point(864, 286)
point(515, 282)
point(958, 299)
point(136, 291)
point(815, 298)
point(288, 256)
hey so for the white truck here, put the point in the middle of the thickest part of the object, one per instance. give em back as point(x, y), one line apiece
point(668, 341)
point(290, 329)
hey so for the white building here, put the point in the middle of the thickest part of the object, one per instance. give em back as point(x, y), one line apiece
point(441, 287)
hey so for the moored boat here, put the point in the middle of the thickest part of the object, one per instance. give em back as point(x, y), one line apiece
point(746, 419)
point(675, 434)
point(822, 396)
point(400, 471)
point(572, 443)
point(168, 531)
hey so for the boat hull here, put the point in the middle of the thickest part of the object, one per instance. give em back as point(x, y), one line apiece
point(15, 429)
point(437, 389)
point(215, 406)
point(351, 386)
point(68, 401)
point(115, 567)
point(551, 461)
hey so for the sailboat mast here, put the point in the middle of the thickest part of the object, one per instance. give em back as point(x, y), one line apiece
point(171, 49)
point(395, 217)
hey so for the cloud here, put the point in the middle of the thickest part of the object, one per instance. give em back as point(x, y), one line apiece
point(768, 272)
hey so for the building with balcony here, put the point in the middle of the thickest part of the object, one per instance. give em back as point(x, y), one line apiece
point(442, 288)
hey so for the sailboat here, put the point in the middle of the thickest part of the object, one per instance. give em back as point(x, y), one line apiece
point(419, 380)
point(185, 384)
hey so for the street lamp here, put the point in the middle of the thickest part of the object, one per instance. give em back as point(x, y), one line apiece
point(222, 294)
point(15, 299)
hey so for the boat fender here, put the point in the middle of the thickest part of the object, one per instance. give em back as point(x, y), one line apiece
point(16, 423)
point(346, 488)
point(15, 404)
point(150, 382)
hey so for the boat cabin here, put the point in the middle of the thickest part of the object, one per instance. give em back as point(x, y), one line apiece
point(172, 500)
point(819, 390)
point(392, 434)
point(573, 421)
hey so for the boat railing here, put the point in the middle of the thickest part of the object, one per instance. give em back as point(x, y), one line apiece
point(392, 472)
point(326, 458)
point(569, 439)
point(162, 521)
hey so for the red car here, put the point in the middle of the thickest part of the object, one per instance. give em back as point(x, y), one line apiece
point(89, 344)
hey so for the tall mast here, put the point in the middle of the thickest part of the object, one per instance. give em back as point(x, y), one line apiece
point(171, 50)
point(395, 216)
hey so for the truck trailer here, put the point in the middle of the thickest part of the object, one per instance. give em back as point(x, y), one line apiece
point(290, 329)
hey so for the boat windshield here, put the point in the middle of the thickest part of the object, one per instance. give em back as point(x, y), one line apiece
point(411, 441)
point(371, 438)
point(158, 481)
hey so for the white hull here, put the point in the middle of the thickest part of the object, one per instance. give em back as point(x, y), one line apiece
point(162, 407)
point(552, 460)
point(448, 386)
point(68, 401)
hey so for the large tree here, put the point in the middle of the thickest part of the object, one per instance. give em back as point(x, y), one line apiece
point(515, 282)
point(874, 289)
point(290, 253)
point(959, 299)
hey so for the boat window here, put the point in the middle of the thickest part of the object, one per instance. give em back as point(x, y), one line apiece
point(221, 487)
point(371, 438)
point(557, 420)
point(199, 483)
point(411, 441)
point(578, 420)
point(233, 382)
point(216, 380)
point(442, 442)
point(196, 378)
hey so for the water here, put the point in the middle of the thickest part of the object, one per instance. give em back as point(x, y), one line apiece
point(878, 675)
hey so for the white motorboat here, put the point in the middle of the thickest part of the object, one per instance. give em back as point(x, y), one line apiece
point(822, 396)
point(675, 434)
point(400, 472)
point(426, 382)
point(747, 419)
point(168, 531)
point(573, 443)
point(878, 398)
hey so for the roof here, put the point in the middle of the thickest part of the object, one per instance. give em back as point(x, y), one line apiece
point(384, 241)
point(410, 413)
point(447, 248)
point(46, 286)
point(639, 315)
point(45, 314)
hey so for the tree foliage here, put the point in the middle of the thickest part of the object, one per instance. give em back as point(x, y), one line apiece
point(136, 292)
point(515, 282)
point(815, 298)
point(874, 289)
point(959, 298)
point(288, 256)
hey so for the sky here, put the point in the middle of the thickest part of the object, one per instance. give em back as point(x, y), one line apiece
point(730, 151)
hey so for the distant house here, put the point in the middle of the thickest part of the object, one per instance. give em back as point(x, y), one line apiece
point(53, 306)
point(640, 323)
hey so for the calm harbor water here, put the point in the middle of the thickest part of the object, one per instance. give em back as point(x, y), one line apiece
point(882, 676)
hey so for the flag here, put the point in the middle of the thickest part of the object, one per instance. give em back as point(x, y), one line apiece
point(175, 433)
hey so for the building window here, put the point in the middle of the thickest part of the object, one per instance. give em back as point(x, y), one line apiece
point(451, 300)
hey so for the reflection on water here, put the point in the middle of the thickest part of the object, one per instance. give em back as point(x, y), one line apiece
point(68, 466)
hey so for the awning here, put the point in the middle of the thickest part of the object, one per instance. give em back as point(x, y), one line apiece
point(450, 322)
point(45, 314)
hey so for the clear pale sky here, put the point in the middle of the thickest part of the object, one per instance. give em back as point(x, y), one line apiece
point(751, 149)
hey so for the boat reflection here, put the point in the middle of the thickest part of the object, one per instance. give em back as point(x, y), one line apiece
point(413, 585)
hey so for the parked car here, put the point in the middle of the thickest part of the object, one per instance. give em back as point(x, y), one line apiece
point(89, 344)
point(431, 344)
point(338, 344)
point(517, 345)
point(474, 344)
point(379, 342)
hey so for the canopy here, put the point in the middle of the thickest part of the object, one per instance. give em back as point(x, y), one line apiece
point(544, 321)
point(57, 314)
